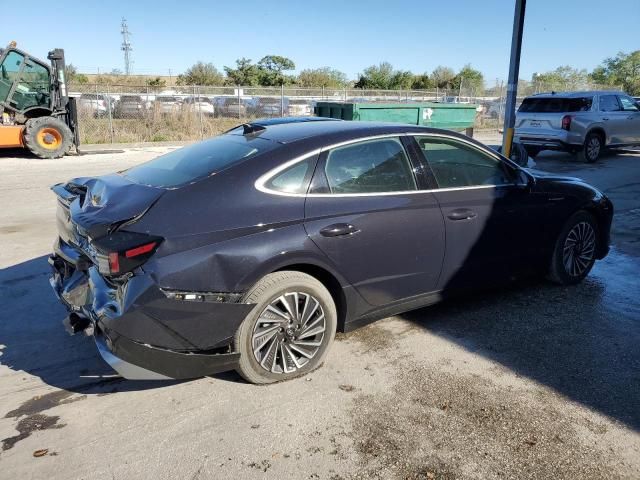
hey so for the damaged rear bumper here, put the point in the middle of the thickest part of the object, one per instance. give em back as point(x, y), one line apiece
point(140, 331)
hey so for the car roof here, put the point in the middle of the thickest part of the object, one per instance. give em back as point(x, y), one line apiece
point(581, 93)
point(294, 129)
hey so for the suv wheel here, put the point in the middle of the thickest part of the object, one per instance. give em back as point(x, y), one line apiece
point(592, 148)
point(533, 151)
point(289, 331)
point(575, 250)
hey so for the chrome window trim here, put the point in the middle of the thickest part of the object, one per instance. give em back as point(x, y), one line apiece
point(263, 179)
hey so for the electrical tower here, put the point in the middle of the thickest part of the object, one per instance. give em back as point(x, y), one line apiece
point(126, 46)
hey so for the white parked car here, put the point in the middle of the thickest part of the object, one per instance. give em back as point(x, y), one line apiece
point(199, 104)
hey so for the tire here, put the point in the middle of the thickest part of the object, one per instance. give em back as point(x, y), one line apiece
point(562, 270)
point(533, 151)
point(47, 137)
point(592, 148)
point(518, 155)
point(268, 294)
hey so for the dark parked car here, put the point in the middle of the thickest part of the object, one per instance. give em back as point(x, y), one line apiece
point(249, 250)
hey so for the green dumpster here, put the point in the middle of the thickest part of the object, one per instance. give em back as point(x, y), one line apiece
point(454, 116)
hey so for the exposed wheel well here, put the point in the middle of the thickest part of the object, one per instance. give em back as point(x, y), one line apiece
point(37, 113)
point(603, 239)
point(330, 282)
point(600, 132)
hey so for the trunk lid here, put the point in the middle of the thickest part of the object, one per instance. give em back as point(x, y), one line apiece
point(93, 207)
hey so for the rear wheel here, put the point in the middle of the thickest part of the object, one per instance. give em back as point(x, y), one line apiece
point(47, 137)
point(289, 331)
point(518, 155)
point(592, 148)
point(533, 151)
point(575, 250)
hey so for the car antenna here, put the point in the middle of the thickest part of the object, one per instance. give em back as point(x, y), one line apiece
point(249, 128)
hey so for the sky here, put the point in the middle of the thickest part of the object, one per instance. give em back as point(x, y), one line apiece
point(346, 35)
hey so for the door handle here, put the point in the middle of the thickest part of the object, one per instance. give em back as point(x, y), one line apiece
point(462, 214)
point(605, 118)
point(338, 230)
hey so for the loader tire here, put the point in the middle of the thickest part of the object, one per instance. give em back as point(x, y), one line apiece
point(47, 137)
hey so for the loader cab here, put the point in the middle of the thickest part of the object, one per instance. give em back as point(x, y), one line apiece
point(25, 83)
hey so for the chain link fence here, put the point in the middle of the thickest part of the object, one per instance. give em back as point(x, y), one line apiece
point(130, 114)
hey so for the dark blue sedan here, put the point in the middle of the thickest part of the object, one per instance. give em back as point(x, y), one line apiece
point(250, 250)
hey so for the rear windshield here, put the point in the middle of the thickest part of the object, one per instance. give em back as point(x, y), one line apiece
point(556, 105)
point(167, 99)
point(192, 163)
point(130, 98)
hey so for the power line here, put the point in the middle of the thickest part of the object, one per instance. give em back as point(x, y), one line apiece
point(126, 46)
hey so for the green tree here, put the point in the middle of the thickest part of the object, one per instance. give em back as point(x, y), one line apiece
point(422, 82)
point(245, 73)
point(470, 79)
point(201, 74)
point(272, 68)
point(156, 82)
point(562, 78)
point(376, 76)
point(73, 76)
point(383, 76)
point(621, 70)
point(443, 77)
point(322, 77)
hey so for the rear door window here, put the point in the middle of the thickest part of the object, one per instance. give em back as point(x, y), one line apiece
point(373, 166)
point(556, 104)
point(609, 103)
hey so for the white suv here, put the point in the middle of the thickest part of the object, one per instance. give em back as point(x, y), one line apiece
point(583, 123)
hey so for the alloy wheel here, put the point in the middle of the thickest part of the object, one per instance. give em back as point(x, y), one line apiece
point(593, 147)
point(579, 249)
point(288, 333)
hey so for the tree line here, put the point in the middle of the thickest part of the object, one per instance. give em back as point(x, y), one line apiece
point(623, 71)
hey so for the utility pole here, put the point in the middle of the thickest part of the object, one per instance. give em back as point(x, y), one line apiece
point(126, 46)
point(512, 82)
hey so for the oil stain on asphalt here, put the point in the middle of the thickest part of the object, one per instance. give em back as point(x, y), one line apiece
point(34, 419)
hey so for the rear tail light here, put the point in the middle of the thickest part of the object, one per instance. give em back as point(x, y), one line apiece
point(566, 122)
point(122, 252)
point(141, 250)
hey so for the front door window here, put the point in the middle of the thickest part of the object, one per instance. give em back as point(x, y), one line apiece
point(9, 73)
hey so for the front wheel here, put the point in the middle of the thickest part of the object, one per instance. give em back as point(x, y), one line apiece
point(574, 253)
point(47, 137)
point(289, 331)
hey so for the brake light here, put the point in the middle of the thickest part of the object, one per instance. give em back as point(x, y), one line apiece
point(141, 250)
point(114, 262)
point(566, 122)
point(122, 252)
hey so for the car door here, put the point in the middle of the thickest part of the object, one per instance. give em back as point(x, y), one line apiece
point(631, 111)
point(367, 214)
point(494, 221)
point(614, 118)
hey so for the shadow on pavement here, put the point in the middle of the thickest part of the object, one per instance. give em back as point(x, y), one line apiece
point(581, 341)
point(33, 340)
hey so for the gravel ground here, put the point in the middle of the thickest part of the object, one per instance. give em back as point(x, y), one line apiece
point(531, 381)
